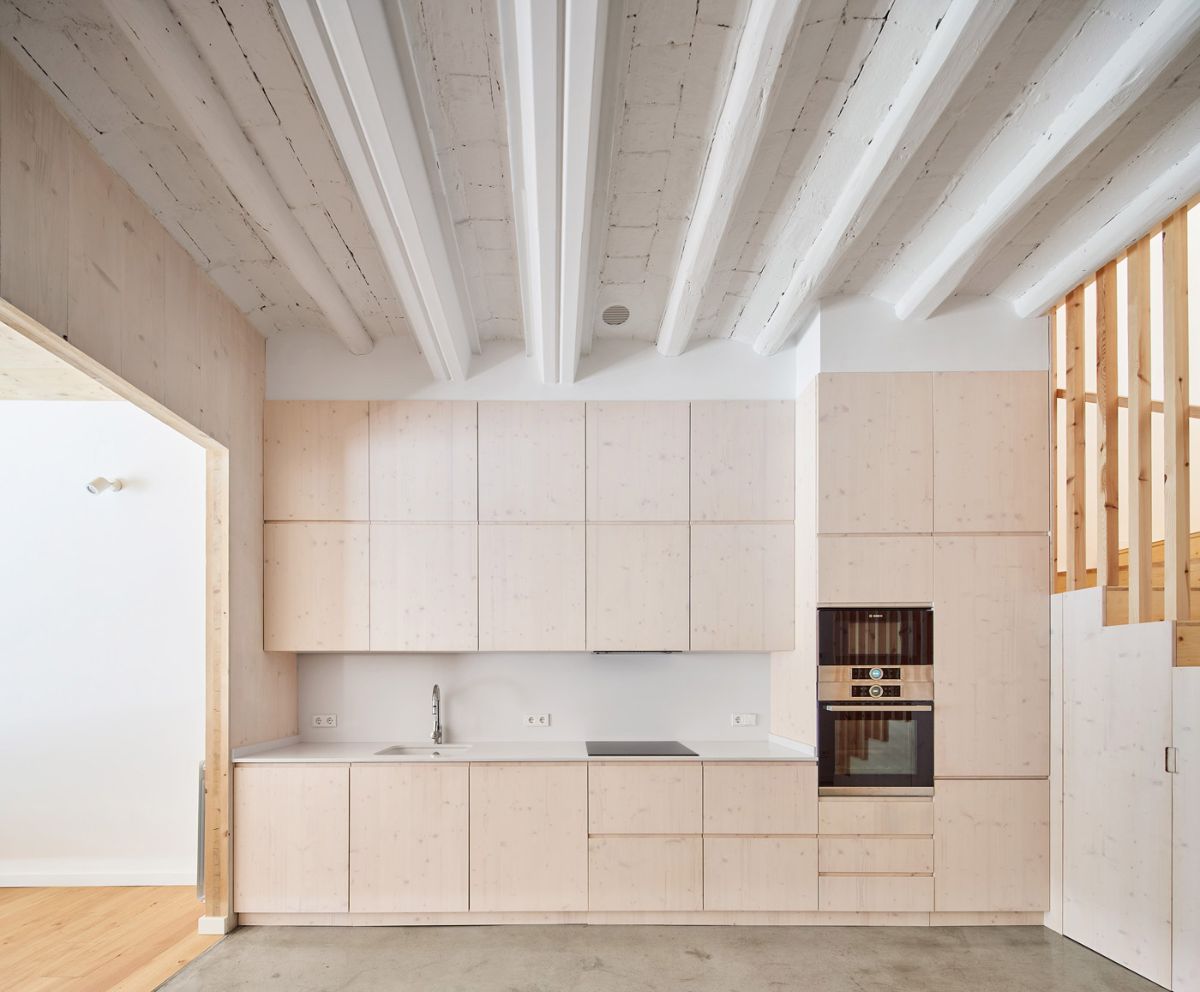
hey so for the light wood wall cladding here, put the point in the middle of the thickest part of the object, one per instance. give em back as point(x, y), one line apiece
point(1185, 901)
point(409, 830)
point(743, 460)
point(531, 461)
point(991, 464)
point(853, 815)
point(743, 587)
point(651, 798)
point(861, 569)
point(529, 837)
point(317, 587)
point(992, 675)
point(762, 798)
point(992, 845)
point(876, 894)
point(876, 453)
point(638, 461)
point(645, 874)
point(316, 460)
point(293, 838)
point(424, 587)
point(760, 873)
point(424, 461)
point(637, 587)
point(531, 587)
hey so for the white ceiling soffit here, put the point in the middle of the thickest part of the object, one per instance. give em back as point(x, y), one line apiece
point(350, 52)
point(177, 67)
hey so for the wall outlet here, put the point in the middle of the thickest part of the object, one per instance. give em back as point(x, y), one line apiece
point(743, 719)
point(537, 720)
point(325, 720)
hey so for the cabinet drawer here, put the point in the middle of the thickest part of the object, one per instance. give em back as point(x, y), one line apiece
point(760, 798)
point(639, 874)
point(876, 893)
point(901, 855)
point(876, 816)
point(659, 798)
point(760, 873)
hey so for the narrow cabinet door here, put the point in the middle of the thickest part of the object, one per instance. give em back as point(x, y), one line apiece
point(637, 587)
point(743, 587)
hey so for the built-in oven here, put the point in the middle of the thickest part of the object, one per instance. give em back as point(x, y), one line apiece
point(868, 637)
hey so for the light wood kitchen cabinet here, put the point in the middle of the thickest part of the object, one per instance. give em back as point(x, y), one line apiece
point(423, 461)
point(744, 460)
point(637, 587)
point(531, 462)
point(316, 586)
point(760, 873)
point(875, 453)
point(424, 587)
point(765, 797)
point(872, 571)
point(531, 587)
point(876, 894)
point(876, 855)
point(992, 845)
point(638, 461)
point(855, 815)
point(645, 874)
point(409, 833)
point(291, 848)
point(529, 837)
point(992, 669)
point(743, 587)
point(315, 460)
point(652, 798)
point(991, 464)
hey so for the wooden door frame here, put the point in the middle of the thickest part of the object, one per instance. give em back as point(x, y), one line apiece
point(218, 911)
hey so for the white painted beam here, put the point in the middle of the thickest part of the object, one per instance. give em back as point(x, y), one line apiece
point(350, 52)
point(178, 69)
point(752, 88)
point(953, 51)
point(1116, 85)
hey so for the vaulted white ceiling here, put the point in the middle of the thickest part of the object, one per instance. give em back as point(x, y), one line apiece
point(469, 171)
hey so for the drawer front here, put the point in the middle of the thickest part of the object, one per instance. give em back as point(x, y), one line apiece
point(652, 798)
point(876, 893)
point(876, 816)
point(641, 874)
point(901, 855)
point(766, 797)
point(777, 874)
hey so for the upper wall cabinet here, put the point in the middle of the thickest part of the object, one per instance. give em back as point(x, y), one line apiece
point(637, 587)
point(315, 460)
point(991, 467)
point(531, 462)
point(875, 453)
point(744, 460)
point(423, 464)
point(637, 461)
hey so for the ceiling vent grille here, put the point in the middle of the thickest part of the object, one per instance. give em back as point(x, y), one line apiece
point(615, 315)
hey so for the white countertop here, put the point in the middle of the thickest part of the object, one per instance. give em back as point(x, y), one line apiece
point(314, 752)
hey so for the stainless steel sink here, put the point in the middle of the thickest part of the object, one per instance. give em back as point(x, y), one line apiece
point(425, 750)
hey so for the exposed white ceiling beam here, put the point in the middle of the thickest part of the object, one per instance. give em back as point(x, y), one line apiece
point(350, 53)
point(178, 69)
point(961, 36)
point(1116, 85)
point(752, 88)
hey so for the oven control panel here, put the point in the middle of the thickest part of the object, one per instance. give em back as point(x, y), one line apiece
point(874, 692)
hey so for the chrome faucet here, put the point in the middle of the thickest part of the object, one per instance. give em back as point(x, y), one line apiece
point(436, 736)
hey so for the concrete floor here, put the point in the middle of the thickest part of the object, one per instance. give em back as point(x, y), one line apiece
point(649, 959)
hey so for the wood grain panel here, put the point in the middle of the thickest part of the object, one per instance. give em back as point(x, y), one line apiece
point(743, 587)
point(760, 874)
point(645, 874)
point(1074, 487)
point(638, 461)
point(531, 461)
point(743, 460)
point(878, 855)
point(1107, 441)
point(651, 798)
point(1185, 862)
point(1138, 469)
point(424, 461)
point(852, 815)
point(1176, 423)
point(862, 570)
point(637, 587)
point(316, 460)
point(760, 798)
point(876, 893)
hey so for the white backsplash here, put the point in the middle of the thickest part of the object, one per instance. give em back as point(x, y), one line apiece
point(485, 697)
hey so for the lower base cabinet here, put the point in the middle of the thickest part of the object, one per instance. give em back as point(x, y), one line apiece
point(760, 873)
point(645, 874)
point(876, 893)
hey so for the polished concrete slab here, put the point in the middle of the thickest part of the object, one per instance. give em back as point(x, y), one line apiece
point(650, 959)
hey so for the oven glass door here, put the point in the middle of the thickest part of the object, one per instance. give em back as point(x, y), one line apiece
point(876, 745)
point(876, 636)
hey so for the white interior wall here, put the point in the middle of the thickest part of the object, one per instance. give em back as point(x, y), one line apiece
point(102, 668)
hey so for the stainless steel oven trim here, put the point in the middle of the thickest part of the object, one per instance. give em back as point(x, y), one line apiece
point(867, 790)
point(874, 707)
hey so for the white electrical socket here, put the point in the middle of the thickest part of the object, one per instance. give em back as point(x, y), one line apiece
point(743, 719)
point(325, 720)
point(537, 720)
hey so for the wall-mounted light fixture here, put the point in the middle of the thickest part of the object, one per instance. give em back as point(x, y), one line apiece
point(101, 484)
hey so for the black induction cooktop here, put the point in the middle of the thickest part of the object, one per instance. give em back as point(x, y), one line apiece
point(634, 748)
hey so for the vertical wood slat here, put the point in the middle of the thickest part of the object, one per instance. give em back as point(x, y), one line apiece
point(1076, 549)
point(1138, 435)
point(1107, 534)
point(1176, 528)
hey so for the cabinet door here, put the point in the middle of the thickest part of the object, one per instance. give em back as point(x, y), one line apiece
point(764, 797)
point(645, 874)
point(315, 460)
point(529, 837)
point(875, 458)
point(760, 873)
point(637, 461)
point(990, 464)
point(991, 845)
point(531, 461)
point(290, 848)
point(860, 815)
point(992, 646)
point(1185, 786)
point(655, 798)
point(531, 587)
point(637, 587)
point(876, 894)
point(424, 587)
point(316, 587)
point(423, 461)
point(871, 571)
point(409, 838)
point(743, 587)
point(744, 460)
